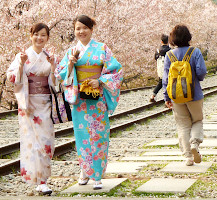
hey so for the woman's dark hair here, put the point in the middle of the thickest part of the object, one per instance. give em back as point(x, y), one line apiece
point(84, 19)
point(164, 38)
point(180, 36)
point(37, 27)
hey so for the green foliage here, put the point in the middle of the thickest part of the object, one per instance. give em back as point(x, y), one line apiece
point(211, 66)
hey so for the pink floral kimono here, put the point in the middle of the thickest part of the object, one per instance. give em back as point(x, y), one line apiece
point(34, 108)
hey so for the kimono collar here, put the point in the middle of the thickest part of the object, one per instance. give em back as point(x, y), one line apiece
point(35, 53)
point(83, 46)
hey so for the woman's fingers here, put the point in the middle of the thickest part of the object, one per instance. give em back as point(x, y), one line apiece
point(93, 83)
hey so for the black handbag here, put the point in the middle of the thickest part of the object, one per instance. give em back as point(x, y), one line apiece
point(60, 108)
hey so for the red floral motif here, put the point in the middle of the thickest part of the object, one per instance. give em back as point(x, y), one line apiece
point(43, 182)
point(84, 106)
point(12, 78)
point(47, 149)
point(28, 62)
point(21, 112)
point(31, 74)
point(27, 177)
point(92, 107)
point(78, 109)
point(96, 137)
point(37, 120)
point(99, 119)
point(90, 172)
point(80, 160)
point(87, 150)
point(23, 171)
point(94, 115)
point(95, 157)
point(99, 145)
point(100, 154)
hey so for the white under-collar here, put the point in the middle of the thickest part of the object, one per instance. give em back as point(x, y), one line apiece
point(36, 54)
point(85, 47)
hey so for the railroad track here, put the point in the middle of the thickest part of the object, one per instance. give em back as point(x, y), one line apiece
point(68, 146)
point(15, 111)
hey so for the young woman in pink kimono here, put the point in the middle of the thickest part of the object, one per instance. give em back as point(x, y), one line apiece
point(32, 75)
point(97, 67)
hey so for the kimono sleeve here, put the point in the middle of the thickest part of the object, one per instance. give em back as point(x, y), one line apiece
point(13, 72)
point(62, 72)
point(111, 78)
point(55, 84)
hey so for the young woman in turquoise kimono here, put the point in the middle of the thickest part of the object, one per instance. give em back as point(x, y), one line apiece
point(97, 68)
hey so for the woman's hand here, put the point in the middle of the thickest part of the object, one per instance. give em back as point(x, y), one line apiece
point(94, 83)
point(51, 60)
point(23, 55)
point(169, 104)
point(73, 58)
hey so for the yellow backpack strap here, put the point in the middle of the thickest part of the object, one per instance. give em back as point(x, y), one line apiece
point(171, 56)
point(188, 54)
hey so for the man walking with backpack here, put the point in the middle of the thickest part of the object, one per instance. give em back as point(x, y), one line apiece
point(184, 68)
point(159, 57)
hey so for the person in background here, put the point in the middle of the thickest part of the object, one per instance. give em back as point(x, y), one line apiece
point(189, 115)
point(32, 72)
point(159, 57)
point(92, 64)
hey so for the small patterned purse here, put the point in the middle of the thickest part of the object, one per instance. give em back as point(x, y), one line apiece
point(87, 92)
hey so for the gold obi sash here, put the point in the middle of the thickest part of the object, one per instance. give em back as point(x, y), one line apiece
point(85, 72)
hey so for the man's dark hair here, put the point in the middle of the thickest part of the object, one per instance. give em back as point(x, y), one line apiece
point(180, 36)
point(164, 38)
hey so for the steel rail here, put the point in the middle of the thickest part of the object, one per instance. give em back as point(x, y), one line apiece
point(8, 149)
point(14, 165)
point(15, 111)
point(67, 146)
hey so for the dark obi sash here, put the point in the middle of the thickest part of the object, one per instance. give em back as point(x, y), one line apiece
point(38, 85)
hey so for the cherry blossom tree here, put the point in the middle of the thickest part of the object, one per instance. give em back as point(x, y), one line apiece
point(131, 28)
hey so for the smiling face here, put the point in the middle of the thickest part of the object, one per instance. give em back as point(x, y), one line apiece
point(39, 39)
point(83, 33)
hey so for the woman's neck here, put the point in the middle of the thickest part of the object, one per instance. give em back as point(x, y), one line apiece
point(37, 50)
point(85, 43)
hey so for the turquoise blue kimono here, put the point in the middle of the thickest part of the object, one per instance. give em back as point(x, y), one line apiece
point(90, 117)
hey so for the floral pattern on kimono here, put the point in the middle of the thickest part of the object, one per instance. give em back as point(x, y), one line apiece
point(90, 117)
point(35, 125)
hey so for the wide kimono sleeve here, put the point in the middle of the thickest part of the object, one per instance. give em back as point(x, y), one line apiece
point(13, 72)
point(111, 78)
point(69, 81)
point(62, 72)
point(20, 81)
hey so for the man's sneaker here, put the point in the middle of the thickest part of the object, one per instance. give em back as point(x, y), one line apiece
point(189, 161)
point(97, 185)
point(44, 189)
point(195, 152)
